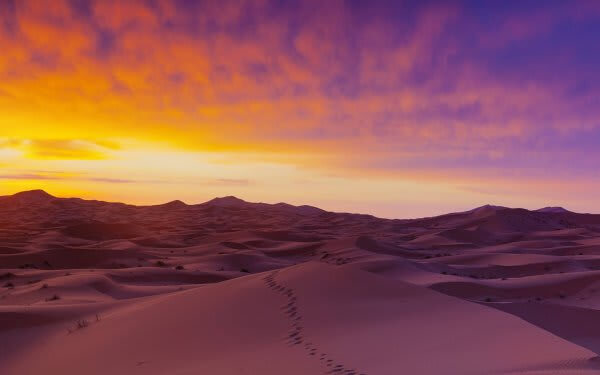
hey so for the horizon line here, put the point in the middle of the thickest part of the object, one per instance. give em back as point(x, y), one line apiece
point(300, 205)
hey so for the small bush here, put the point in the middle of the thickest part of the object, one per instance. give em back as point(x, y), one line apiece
point(160, 263)
point(9, 285)
point(45, 286)
point(179, 268)
point(244, 270)
point(82, 323)
point(55, 297)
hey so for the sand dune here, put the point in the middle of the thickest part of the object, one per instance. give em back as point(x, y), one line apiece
point(233, 287)
point(312, 318)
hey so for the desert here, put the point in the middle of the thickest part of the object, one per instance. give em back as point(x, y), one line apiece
point(299, 187)
point(233, 287)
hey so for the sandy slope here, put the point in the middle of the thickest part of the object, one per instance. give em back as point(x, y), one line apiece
point(231, 287)
point(310, 318)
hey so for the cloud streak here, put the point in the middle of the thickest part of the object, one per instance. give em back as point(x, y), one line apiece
point(70, 176)
point(76, 149)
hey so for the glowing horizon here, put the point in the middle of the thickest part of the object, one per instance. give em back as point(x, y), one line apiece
point(397, 109)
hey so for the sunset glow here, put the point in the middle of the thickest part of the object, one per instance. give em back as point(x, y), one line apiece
point(398, 109)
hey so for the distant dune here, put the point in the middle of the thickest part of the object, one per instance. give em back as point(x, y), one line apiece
point(234, 287)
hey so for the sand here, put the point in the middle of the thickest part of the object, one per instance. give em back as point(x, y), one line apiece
point(232, 287)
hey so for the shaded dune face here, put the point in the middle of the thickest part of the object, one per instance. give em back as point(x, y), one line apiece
point(325, 292)
point(99, 231)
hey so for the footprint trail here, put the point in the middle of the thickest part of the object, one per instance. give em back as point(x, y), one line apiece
point(296, 336)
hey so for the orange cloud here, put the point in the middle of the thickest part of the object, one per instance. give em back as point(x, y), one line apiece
point(61, 148)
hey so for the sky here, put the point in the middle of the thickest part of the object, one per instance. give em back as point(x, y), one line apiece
point(394, 108)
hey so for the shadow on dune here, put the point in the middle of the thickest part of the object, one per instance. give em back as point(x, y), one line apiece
point(575, 324)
